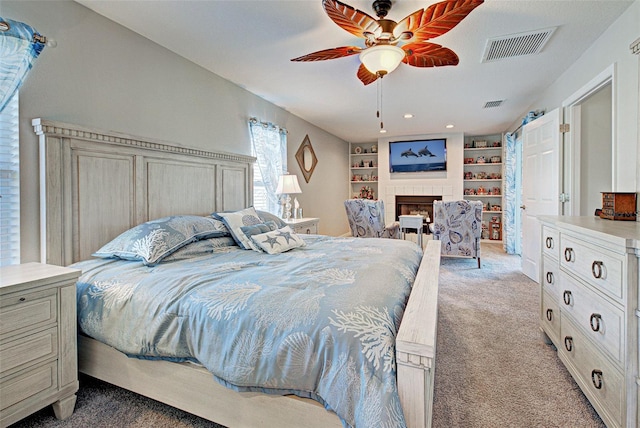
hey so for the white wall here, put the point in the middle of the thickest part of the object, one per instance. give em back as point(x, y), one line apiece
point(103, 75)
point(612, 47)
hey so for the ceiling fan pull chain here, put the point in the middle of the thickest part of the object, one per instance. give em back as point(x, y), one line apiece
point(382, 130)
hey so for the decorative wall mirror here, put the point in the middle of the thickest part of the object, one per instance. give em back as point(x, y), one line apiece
point(306, 158)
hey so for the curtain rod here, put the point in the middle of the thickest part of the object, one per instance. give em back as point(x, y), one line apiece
point(4, 26)
point(517, 129)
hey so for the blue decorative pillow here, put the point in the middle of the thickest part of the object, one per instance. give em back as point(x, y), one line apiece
point(150, 242)
point(201, 248)
point(267, 216)
point(257, 229)
point(235, 220)
point(278, 241)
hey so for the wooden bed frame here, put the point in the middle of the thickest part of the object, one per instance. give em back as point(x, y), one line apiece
point(97, 184)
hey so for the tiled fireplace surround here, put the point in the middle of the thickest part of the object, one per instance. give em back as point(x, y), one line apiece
point(390, 192)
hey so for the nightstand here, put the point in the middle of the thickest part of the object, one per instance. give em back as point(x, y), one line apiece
point(38, 351)
point(308, 225)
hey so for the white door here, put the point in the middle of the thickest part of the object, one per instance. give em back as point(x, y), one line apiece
point(541, 157)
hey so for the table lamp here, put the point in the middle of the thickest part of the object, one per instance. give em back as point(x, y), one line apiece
point(288, 185)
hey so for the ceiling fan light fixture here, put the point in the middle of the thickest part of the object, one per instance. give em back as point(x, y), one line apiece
point(382, 59)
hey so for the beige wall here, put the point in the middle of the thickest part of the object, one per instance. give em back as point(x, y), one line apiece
point(103, 75)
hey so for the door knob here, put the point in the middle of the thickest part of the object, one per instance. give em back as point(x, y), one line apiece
point(523, 207)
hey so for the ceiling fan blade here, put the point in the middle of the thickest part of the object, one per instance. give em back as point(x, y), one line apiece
point(353, 20)
point(428, 55)
point(330, 54)
point(365, 76)
point(435, 20)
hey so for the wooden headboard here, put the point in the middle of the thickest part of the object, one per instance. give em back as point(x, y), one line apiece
point(96, 184)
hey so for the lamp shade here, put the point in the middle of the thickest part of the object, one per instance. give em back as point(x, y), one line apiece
point(288, 184)
point(382, 59)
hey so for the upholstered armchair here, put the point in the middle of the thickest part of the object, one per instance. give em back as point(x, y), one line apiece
point(458, 225)
point(366, 219)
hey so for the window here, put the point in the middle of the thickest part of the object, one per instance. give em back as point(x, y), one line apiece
point(9, 184)
point(269, 146)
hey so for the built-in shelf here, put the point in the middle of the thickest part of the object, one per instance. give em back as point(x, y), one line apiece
point(370, 172)
point(492, 149)
point(471, 149)
point(483, 163)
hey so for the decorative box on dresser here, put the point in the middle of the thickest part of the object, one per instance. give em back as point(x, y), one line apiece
point(308, 225)
point(38, 357)
point(589, 309)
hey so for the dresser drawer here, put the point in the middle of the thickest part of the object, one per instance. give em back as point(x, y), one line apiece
point(597, 377)
point(550, 242)
point(20, 312)
point(551, 276)
point(550, 316)
point(598, 319)
point(28, 383)
point(601, 268)
point(27, 351)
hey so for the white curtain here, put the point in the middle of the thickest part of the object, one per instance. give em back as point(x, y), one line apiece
point(269, 143)
point(513, 186)
point(510, 195)
point(18, 49)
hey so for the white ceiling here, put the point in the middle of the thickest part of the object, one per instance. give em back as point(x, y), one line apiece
point(251, 43)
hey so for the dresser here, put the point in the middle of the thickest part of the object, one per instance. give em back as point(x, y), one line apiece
point(308, 225)
point(38, 352)
point(589, 303)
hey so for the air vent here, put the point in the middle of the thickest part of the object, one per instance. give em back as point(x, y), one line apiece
point(491, 104)
point(513, 45)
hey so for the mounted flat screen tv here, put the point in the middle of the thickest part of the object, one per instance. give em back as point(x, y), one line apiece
point(418, 155)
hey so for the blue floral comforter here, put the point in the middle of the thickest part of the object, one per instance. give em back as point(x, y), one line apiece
point(319, 321)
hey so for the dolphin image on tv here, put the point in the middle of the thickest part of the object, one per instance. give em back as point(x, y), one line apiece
point(408, 153)
point(425, 152)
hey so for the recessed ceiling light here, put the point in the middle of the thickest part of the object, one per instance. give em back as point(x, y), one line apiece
point(449, 126)
point(408, 115)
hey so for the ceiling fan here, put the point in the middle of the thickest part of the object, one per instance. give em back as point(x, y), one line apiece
point(388, 42)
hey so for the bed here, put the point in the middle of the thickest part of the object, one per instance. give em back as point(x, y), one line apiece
point(80, 167)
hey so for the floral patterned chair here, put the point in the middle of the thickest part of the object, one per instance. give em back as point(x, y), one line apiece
point(458, 225)
point(366, 219)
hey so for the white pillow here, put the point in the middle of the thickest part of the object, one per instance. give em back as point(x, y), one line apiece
point(278, 241)
point(235, 220)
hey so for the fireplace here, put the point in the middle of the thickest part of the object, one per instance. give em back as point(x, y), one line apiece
point(416, 204)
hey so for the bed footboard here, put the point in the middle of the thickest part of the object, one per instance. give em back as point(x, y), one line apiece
point(416, 342)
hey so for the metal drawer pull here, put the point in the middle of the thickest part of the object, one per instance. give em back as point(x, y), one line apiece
point(549, 277)
point(549, 314)
point(597, 273)
point(568, 254)
point(568, 343)
point(597, 318)
point(566, 296)
point(549, 242)
point(596, 378)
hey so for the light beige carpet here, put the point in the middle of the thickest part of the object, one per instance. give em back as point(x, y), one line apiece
point(492, 367)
